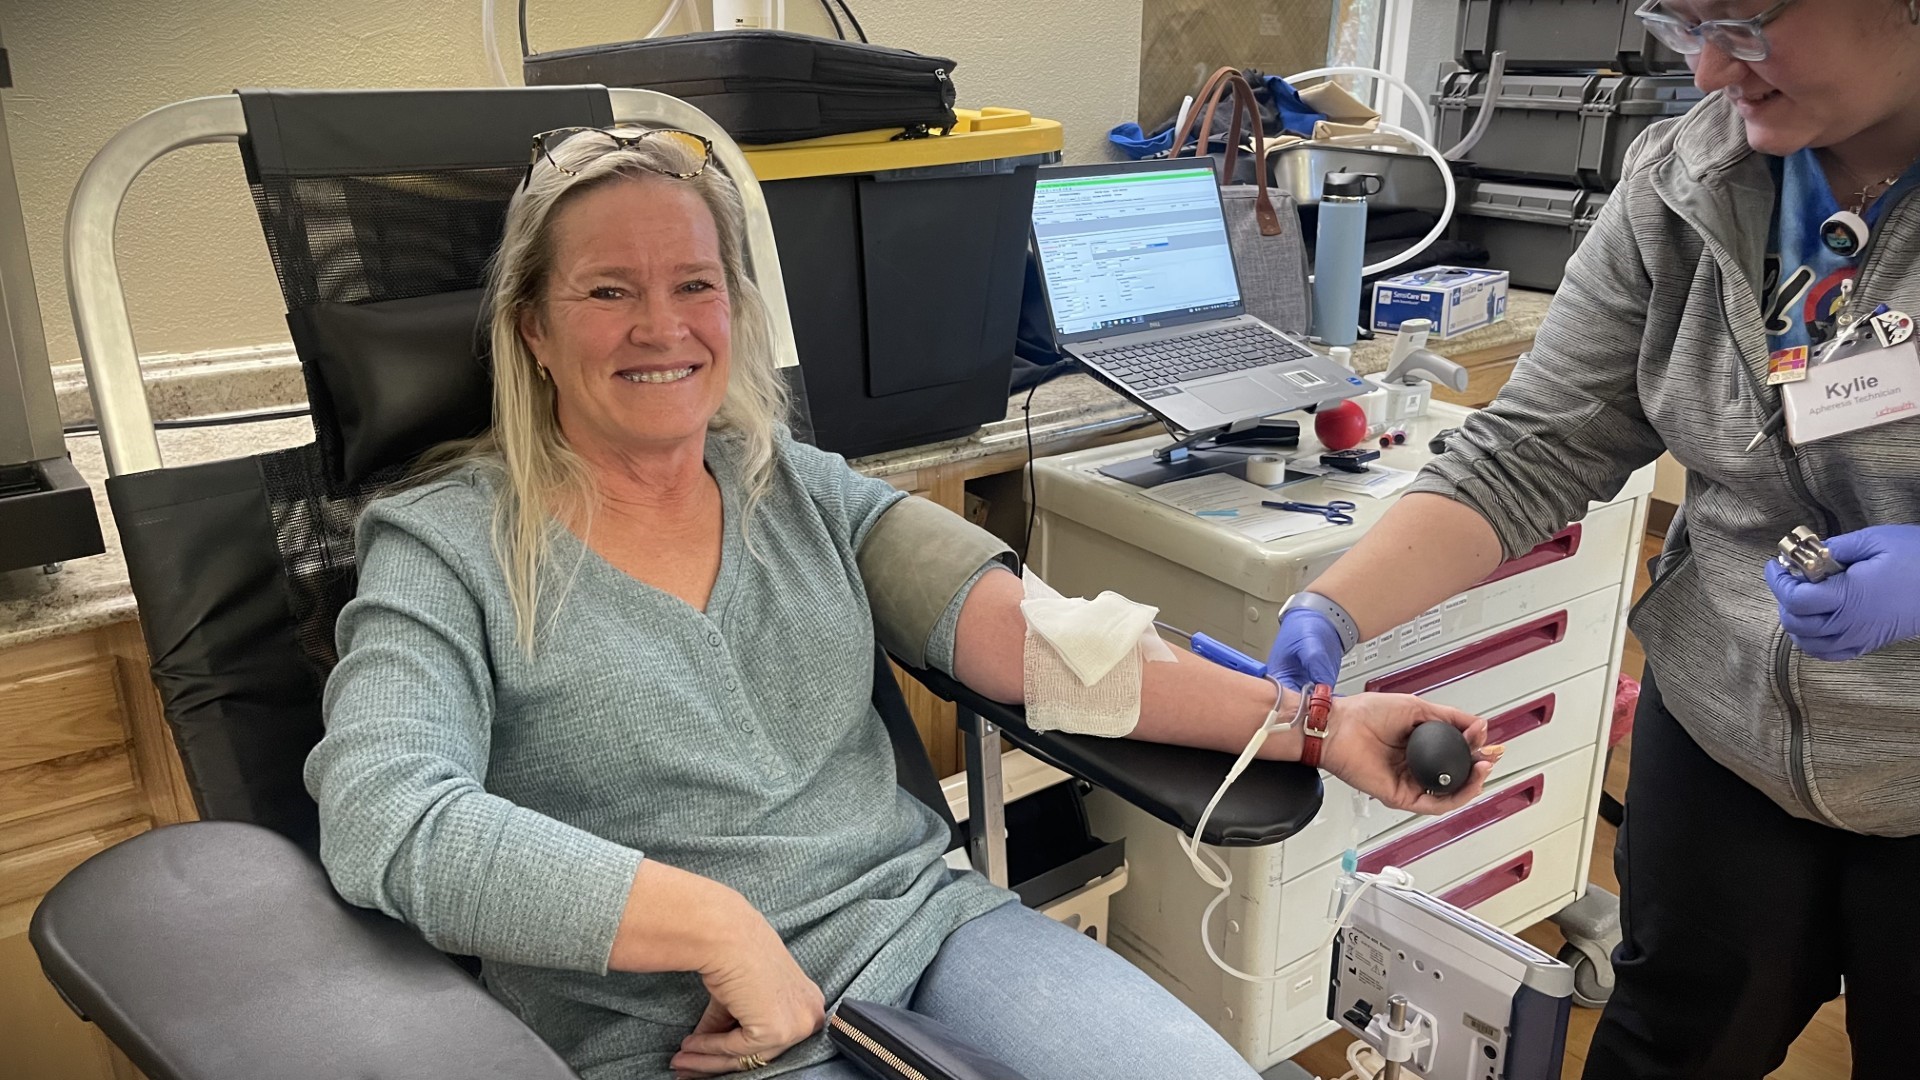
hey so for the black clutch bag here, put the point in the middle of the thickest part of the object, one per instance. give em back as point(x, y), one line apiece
point(894, 1044)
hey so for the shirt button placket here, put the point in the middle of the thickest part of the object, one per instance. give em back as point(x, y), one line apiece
point(732, 686)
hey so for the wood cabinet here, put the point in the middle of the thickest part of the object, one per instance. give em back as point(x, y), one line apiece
point(1487, 371)
point(85, 762)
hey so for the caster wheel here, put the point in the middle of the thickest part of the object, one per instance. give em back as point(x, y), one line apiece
point(1588, 991)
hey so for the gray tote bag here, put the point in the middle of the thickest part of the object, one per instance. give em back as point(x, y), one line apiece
point(1263, 223)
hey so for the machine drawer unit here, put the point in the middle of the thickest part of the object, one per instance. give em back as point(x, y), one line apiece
point(1533, 648)
point(1567, 716)
point(1438, 852)
point(1270, 921)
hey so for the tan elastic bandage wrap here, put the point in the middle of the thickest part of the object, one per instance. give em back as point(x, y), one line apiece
point(914, 561)
point(1084, 660)
point(1057, 701)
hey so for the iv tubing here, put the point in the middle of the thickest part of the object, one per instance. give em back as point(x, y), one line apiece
point(672, 10)
point(491, 42)
point(1496, 74)
point(1446, 214)
point(1419, 142)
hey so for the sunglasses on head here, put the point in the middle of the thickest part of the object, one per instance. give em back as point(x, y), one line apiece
point(697, 147)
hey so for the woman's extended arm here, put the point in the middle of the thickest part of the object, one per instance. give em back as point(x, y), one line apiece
point(1194, 702)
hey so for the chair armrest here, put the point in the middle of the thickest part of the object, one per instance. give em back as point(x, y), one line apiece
point(1270, 802)
point(219, 951)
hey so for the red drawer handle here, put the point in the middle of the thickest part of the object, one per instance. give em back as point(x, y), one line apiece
point(1455, 827)
point(1483, 655)
point(1559, 547)
point(1514, 723)
point(1471, 894)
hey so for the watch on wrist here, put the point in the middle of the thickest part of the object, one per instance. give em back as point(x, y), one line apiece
point(1316, 702)
point(1343, 623)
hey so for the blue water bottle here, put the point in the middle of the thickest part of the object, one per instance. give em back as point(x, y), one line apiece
point(1339, 252)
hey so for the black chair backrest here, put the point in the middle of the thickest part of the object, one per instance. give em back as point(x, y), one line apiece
point(381, 210)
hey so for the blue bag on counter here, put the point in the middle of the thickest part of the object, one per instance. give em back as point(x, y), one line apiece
point(1281, 110)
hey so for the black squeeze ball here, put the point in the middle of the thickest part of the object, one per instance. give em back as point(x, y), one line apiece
point(1439, 758)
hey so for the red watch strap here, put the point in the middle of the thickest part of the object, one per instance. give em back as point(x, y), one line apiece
point(1313, 730)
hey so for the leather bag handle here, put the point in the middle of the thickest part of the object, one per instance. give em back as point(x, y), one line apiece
point(1218, 85)
point(1204, 103)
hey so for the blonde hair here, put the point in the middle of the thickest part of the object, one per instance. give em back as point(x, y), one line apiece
point(540, 475)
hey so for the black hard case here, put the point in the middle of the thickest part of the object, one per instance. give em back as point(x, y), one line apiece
point(1561, 35)
point(769, 86)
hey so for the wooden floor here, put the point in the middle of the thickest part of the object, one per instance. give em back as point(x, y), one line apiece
point(1821, 1052)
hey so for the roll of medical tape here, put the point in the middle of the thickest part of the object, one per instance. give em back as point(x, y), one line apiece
point(1266, 469)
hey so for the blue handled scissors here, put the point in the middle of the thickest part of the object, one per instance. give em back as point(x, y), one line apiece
point(1335, 512)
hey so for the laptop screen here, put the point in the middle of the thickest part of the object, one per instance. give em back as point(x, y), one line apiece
point(1128, 244)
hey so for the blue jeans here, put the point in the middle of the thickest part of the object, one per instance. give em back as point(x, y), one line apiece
point(1056, 1005)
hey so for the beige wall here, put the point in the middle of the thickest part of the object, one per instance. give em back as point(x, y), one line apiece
point(192, 259)
point(1183, 41)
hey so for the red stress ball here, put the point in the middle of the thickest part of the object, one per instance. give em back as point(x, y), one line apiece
point(1342, 427)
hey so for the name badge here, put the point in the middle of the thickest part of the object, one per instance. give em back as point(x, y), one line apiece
point(1854, 392)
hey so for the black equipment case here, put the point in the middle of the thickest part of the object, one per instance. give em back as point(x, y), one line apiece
point(1561, 35)
point(770, 86)
point(1529, 230)
point(1562, 129)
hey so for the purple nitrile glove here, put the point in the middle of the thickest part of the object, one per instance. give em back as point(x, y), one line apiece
point(1870, 605)
point(1306, 651)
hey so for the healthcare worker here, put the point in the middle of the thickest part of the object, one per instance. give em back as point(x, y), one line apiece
point(1770, 843)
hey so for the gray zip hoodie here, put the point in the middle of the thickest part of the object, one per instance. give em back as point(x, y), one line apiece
point(1655, 342)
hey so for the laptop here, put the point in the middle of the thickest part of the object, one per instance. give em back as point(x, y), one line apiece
point(1142, 290)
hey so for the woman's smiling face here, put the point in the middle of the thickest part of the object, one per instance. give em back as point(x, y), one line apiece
point(635, 325)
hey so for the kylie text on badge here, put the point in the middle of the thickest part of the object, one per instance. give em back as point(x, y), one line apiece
point(1846, 389)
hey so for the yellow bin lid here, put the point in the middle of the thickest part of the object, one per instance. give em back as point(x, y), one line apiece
point(980, 135)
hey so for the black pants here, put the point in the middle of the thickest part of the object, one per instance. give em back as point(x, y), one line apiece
point(1740, 921)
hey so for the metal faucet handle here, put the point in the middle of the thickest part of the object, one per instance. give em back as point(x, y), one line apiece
point(1431, 366)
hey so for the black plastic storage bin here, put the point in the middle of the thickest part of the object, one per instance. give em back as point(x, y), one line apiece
point(1529, 230)
point(1571, 129)
point(1561, 35)
point(904, 263)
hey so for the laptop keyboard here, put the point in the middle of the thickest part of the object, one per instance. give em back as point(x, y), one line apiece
point(1196, 356)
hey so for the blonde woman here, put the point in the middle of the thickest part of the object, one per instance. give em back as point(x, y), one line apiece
point(602, 711)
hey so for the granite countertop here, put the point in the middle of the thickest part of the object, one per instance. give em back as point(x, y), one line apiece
point(92, 592)
point(1526, 309)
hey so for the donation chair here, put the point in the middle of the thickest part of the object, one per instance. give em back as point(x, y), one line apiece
point(217, 950)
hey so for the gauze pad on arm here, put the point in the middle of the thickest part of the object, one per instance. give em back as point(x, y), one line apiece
point(1083, 660)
